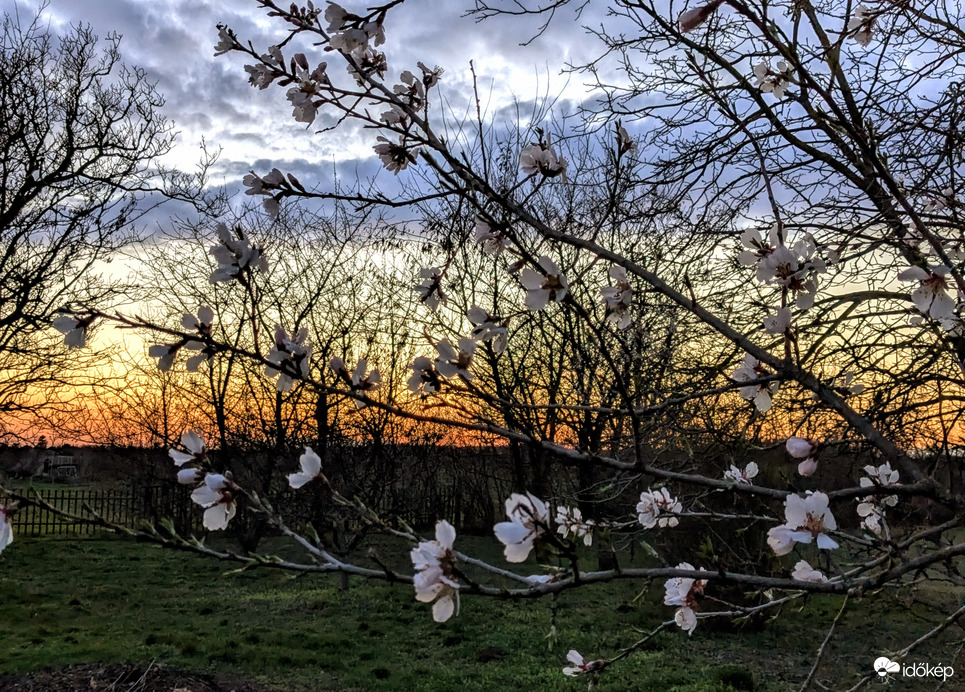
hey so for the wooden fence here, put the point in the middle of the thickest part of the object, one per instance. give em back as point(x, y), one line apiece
point(129, 508)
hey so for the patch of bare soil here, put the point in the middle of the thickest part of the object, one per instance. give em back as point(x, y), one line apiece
point(152, 677)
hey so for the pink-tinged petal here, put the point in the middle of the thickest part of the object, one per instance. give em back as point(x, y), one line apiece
point(795, 510)
point(531, 279)
point(922, 298)
point(310, 462)
point(429, 592)
point(180, 458)
point(807, 467)
point(511, 532)
point(780, 541)
point(445, 534)
point(574, 657)
point(549, 266)
point(913, 274)
point(297, 480)
point(518, 552)
point(444, 609)
point(801, 536)
point(804, 572)
point(189, 476)
point(686, 620)
point(825, 542)
point(763, 401)
point(799, 447)
point(205, 496)
point(192, 441)
point(216, 518)
point(942, 307)
point(537, 300)
point(6, 532)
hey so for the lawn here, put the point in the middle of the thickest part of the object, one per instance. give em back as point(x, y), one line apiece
point(108, 600)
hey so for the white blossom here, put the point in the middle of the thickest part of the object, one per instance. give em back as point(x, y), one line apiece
point(658, 508)
point(806, 450)
point(804, 572)
point(486, 327)
point(395, 157)
point(617, 298)
point(528, 518)
point(430, 288)
point(490, 236)
point(360, 381)
point(872, 508)
point(451, 362)
point(543, 288)
point(194, 443)
point(580, 666)
point(761, 393)
point(569, 521)
point(930, 297)
point(74, 329)
point(424, 378)
point(542, 158)
point(860, 26)
point(772, 81)
point(682, 592)
point(289, 358)
point(217, 496)
point(807, 519)
point(311, 465)
point(744, 476)
point(234, 255)
point(434, 579)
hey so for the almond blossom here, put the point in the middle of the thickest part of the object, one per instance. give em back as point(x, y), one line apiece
point(197, 452)
point(528, 519)
point(808, 519)
point(657, 508)
point(930, 297)
point(6, 527)
point(694, 17)
point(395, 157)
point(779, 322)
point(872, 508)
point(617, 298)
point(486, 327)
point(289, 358)
point(543, 288)
point(860, 26)
point(311, 465)
point(772, 82)
point(805, 449)
point(683, 592)
point(165, 353)
point(235, 256)
point(761, 393)
point(804, 572)
point(569, 521)
point(451, 362)
point(430, 288)
point(424, 378)
point(542, 158)
point(490, 235)
point(217, 496)
point(744, 476)
point(73, 328)
point(434, 579)
point(624, 143)
point(361, 381)
point(580, 666)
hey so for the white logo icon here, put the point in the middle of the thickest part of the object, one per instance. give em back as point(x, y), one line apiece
point(885, 665)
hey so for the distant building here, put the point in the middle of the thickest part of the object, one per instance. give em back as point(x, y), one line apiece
point(58, 467)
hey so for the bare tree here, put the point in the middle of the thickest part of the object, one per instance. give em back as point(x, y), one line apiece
point(80, 136)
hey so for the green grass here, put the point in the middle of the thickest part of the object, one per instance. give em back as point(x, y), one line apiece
point(106, 600)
